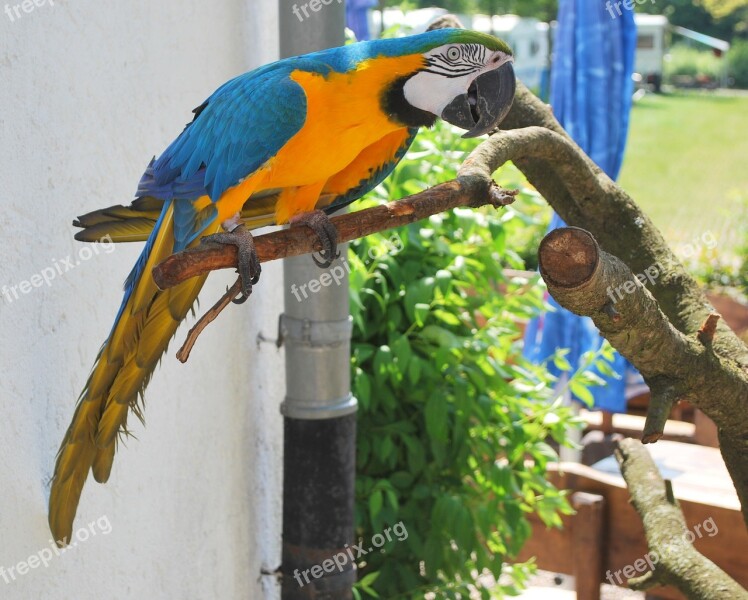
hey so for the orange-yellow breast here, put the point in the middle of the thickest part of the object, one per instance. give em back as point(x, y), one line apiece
point(344, 118)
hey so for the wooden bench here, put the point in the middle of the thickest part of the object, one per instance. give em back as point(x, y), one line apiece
point(606, 535)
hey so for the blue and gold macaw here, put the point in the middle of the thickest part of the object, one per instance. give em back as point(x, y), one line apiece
point(289, 142)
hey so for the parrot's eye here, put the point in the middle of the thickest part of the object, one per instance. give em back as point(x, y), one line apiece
point(453, 53)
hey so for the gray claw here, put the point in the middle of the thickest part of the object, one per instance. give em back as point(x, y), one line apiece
point(321, 225)
point(248, 262)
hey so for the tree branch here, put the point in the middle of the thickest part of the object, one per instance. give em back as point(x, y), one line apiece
point(590, 282)
point(585, 197)
point(676, 561)
point(471, 191)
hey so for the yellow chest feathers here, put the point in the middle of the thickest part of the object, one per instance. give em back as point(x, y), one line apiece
point(344, 116)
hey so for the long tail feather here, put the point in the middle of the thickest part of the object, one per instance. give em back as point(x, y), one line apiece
point(135, 223)
point(146, 322)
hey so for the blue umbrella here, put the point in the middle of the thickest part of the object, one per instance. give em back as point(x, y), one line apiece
point(591, 91)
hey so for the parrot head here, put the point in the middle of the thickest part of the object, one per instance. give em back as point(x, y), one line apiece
point(467, 79)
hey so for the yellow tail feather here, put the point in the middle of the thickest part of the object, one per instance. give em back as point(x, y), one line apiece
point(122, 370)
point(134, 223)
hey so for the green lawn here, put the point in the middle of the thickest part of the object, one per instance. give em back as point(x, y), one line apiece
point(686, 165)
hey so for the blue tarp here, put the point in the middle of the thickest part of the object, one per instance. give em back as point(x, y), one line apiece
point(591, 91)
point(356, 17)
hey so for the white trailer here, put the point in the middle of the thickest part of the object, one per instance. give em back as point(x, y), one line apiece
point(651, 47)
point(528, 39)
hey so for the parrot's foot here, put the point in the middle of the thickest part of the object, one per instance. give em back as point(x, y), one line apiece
point(249, 264)
point(320, 224)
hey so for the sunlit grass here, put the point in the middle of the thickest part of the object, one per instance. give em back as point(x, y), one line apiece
point(686, 165)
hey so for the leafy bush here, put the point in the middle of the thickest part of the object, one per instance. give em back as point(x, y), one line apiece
point(453, 422)
point(737, 59)
point(687, 62)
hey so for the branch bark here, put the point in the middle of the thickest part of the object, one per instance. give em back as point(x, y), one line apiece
point(471, 191)
point(677, 562)
point(590, 282)
point(584, 197)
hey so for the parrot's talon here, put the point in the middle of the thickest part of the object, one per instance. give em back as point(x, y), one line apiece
point(326, 232)
point(241, 299)
point(326, 262)
point(248, 262)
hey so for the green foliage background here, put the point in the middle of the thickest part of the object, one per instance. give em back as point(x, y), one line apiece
point(453, 423)
point(691, 62)
point(725, 19)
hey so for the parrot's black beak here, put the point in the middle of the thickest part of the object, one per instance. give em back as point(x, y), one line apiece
point(485, 104)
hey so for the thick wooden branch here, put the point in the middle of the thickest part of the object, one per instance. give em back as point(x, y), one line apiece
point(472, 190)
point(588, 281)
point(676, 562)
point(585, 197)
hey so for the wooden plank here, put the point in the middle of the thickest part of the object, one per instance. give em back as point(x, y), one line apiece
point(718, 529)
point(587, 539)
point(633, 425)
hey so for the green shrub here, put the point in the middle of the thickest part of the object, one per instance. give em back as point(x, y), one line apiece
point(724, 272)
point(737, 59)
point(453, 422)
point(685, 61)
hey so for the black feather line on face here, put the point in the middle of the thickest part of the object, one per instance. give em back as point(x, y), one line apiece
point(472, 58)
point(398, 109)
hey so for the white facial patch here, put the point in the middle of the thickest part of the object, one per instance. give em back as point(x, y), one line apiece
point(452, 68)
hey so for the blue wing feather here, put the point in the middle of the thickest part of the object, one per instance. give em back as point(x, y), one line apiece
point(242, 125)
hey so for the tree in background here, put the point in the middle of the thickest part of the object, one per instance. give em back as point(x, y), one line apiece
point(724, 19)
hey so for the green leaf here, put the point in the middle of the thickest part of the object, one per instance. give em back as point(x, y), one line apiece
point(375, 504)
point(582, 393)
point(421, 311)
point(440, 336)
point(446, 317)
point(436, 418)
point(414, 370)
point(403, 353)
point(369, 579)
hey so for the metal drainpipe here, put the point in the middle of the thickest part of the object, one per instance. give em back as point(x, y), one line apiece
point(319, 410)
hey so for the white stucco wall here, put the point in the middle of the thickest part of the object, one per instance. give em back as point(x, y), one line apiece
point(89, 91)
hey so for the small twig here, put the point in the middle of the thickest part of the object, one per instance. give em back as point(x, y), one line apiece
point(664, 395)
point(610, 310)
point(207, 319)
point(708, 328)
